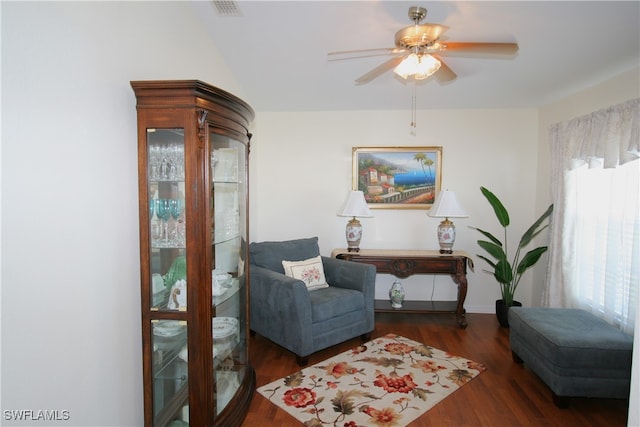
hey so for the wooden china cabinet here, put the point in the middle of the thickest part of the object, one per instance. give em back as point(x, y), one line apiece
point(193, 146)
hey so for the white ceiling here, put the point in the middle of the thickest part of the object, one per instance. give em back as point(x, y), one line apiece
point(278, 51)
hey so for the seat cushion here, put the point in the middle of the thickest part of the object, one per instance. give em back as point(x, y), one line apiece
point(572, 338)
point(270, 255)
point(332, 302)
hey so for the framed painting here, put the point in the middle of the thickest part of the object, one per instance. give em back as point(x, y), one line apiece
point(398, 177)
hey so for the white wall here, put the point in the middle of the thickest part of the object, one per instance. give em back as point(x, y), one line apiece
point(303, 172)
point(70, 261)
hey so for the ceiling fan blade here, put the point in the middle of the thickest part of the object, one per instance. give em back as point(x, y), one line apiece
point(383, 50)
point(367, 55)
point(445, 74)
point(471, 47)
point(380, 69)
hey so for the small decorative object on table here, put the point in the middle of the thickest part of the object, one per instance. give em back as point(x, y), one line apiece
point(396, 294)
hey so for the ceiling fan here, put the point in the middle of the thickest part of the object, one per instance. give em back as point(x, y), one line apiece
point(418, 49)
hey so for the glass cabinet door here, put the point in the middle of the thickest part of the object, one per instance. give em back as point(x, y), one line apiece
point(168, 273)
point(228, 176)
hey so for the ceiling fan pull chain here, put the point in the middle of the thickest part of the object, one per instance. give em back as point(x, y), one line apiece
point(413, 105)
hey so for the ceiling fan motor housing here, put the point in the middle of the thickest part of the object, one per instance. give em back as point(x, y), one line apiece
point(417, 13)
point(419, 35)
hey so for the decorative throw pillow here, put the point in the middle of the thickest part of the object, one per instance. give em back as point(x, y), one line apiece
point(310, 271)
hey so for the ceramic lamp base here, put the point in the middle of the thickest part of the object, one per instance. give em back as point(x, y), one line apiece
point(446, 236)
point(354, 235)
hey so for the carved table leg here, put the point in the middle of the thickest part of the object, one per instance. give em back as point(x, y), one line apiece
point(460, 279)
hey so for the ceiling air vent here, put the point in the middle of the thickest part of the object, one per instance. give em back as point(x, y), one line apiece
point(227, 8)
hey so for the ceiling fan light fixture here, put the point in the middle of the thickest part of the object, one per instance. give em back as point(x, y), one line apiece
point(426, 67)
point(408, 66)
point(420, 67)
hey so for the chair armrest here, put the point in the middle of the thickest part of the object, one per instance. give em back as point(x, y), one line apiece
point(280, 309)
point(349, 274)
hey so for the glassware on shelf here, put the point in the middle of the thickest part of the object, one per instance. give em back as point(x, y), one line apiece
point(155, 223)
point(169, 229)
point(166, 162)
point(177, 228)
point(152, 205)
point(163, 213)
point(224, 164)
point(154, 162)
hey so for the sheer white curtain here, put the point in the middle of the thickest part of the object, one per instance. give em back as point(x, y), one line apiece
point(594, 257)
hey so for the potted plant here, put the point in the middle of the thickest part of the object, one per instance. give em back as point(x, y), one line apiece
point(508, 274)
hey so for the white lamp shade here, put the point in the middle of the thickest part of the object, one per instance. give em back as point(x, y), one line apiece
point(446, 205)
point(356, 205)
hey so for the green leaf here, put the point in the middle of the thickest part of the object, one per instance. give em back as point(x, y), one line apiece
point(424, 350)
point(494, 250)
point(294, 380)
point(531, 232)
point(421, 393)
point(530, 258)
point(343, 402)
point(490, 262)
point(489, 236)
point(503, 272)
point(498, 207)
point(386, 362)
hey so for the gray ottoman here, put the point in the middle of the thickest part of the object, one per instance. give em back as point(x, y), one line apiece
point(575, 353)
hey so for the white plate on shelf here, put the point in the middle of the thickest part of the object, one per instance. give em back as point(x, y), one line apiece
point(168, 328)
point(224, 327)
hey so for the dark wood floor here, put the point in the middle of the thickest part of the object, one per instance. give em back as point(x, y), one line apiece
point(507, 394)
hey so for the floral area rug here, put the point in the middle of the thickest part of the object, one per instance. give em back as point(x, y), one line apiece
point(389, 381)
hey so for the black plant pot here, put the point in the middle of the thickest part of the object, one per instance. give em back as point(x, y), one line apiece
point(502, 312)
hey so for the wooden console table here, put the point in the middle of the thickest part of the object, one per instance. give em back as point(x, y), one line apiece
point(404, 263)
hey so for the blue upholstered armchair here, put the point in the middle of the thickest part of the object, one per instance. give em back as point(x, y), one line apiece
point(284, 310)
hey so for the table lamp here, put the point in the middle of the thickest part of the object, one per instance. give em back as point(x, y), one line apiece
point(446, 206)
point(355, 206)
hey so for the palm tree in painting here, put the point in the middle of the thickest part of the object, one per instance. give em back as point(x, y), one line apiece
point(420, 158)
point(429, 162)
point(424, 160)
